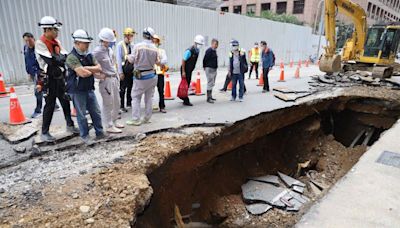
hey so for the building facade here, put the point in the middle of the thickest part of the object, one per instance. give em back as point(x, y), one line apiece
point(380, 10)
point(304, 10)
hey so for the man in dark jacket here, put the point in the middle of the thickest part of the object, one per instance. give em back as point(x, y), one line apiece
point(237, 68)
point(210, 64)
point(268, 61)
point(51, 57)
point(189, 63)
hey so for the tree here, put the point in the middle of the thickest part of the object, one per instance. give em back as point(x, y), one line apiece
point(286, 18)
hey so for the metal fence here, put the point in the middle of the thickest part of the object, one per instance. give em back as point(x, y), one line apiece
point(178, 24)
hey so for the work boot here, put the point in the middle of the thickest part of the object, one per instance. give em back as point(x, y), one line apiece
point(124, 110)
point(212, 98)
point(72, 129)
point(187, 103)
point(47, 137)
point(209, 100)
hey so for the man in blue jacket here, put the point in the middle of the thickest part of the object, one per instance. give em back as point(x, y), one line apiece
point(268, 61)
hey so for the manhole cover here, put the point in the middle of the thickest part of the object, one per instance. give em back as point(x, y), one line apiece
point(389, 158)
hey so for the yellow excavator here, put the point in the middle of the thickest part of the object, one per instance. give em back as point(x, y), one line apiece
point(373, 49)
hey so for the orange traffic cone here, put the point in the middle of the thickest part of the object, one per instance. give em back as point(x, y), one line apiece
point(16, 114)
point(291, 63)
point(230, 85)
point(261, 80)
point(167, 92)
point(3, 92)
point(297, 73)
point(299, 63)
point(282, 76)
point(198, 85)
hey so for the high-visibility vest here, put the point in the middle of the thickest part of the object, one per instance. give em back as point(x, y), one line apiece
point(125, 49)
point(255, 55)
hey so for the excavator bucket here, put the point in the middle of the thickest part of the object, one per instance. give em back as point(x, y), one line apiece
point(330, 64)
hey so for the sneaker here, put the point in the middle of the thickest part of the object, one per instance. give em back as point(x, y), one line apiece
point(155, 108)
point(240, 99)
point(162, 110)
point(146, 120)
point(86, 139)
point(47, 137)
point(118, 125)
point(134, 122)
point(264, 91)
point(101, 136)
point(232, 99)
point(222, 90)
point(123, 110)
point(113, 130)
point(72, 129)
point(36, 115)
point(187, 103)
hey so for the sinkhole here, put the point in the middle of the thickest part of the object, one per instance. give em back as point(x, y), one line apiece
point(201, 187)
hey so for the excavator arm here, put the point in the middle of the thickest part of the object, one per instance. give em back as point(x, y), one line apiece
point(330, 62)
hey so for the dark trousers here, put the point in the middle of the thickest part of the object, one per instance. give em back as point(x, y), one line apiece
point(125, 89)
point(189, 80)
point(56, 89)
point(265, 77)
point(160, 88)
point(228, 80)
point(255, 66)
point(39, 100)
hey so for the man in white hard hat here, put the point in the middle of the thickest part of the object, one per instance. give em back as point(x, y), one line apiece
point(125, 68)
point(82, 67)
point(145, 55)
point(51, 57)
point(189, 63)
point(109, 86)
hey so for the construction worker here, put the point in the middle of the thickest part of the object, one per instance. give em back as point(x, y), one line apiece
point(160, 73)
point(109, 86)
point(145, 55)
point(82, 67)
point(254, 59)
point(189, 63)
point(268, 61)
point(125, 68)
point(237, 68)
point(32, 68)
point(51, 57)
point(210, 64)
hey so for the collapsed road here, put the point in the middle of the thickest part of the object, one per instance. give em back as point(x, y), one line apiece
point(193, 174)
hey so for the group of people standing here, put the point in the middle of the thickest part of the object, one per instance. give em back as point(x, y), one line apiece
point(124, 78)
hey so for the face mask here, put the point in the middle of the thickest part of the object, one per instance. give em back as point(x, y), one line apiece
point(84, 53)
point(198, 46)
point(235, 48)
point(111, 44)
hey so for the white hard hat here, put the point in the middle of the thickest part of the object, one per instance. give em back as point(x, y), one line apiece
point(49, 22)
point(199, 39)
point(148, 32)
point(82, 36)
point(107, 34)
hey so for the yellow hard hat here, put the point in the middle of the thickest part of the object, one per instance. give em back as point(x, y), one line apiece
point(129, 31)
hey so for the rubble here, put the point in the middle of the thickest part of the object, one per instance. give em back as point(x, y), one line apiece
point(267, 192)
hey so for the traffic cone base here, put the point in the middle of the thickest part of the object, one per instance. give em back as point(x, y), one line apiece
point(16, 114)
point(167, 90)
point(198, 85)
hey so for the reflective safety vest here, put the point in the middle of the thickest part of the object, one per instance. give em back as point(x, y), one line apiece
point(159, 70)
point(255, 55)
